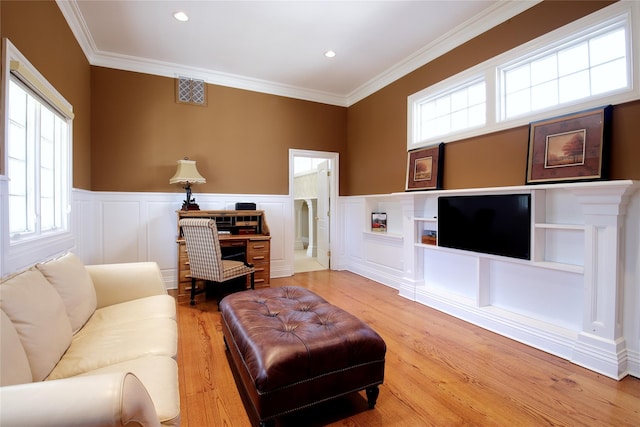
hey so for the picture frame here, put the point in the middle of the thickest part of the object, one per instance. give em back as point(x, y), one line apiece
point(379, 222)
point(429, 237)
point(424, 168)
point(572, 147)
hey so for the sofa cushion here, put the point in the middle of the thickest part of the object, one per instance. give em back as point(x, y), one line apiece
point(38, 314)
point(72, 281)
point(159, 374)
point(15, 364)
point(157, 306)
point(118, 283)
point(118, 343)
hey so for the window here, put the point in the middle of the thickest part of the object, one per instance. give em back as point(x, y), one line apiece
point(582, 68)
point(585, 64)
point(37, 164)
point(37, 129)
point(460, 108)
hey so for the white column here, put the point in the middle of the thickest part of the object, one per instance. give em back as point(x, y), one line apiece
point(298, 244)
point(413, 257)
point(600, 344)
point(312, 249)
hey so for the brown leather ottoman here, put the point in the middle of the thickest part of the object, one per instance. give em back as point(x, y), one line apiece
point(293, 349)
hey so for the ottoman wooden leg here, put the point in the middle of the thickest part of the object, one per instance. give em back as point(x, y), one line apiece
point(372, 396)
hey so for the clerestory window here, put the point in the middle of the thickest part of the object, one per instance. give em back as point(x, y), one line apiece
point(579, 68)
point(585, 64)
point(462, 107)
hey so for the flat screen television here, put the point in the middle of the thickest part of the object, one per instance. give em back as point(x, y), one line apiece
point(492, 224)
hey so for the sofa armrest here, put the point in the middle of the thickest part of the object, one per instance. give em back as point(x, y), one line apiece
point(114, 399)
point(116, 283)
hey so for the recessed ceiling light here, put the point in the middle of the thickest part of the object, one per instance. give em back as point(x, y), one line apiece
point(329, 54)
point(181, 16)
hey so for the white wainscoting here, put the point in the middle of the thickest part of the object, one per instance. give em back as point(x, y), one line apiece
point(582, 305)
point(577, 298)
point(113, 227)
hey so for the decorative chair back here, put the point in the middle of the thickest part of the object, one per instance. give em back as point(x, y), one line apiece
point(203, 248)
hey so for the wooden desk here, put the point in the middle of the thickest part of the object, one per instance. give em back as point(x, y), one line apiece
point(249, 235)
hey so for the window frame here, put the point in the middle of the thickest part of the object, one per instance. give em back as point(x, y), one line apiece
point(490, 69)
point(17, 254)
point(449, 91)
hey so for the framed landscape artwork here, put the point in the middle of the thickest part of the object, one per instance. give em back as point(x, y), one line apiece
point(424, 168)
point(573, 147)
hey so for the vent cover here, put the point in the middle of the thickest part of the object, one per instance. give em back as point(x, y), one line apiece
point(191, 91)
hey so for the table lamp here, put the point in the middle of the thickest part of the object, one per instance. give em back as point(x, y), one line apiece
point(186, 175)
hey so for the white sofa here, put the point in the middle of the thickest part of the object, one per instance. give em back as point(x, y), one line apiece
point(88, 346)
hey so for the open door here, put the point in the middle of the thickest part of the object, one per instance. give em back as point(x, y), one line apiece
point(313, 180)
point(323, 216)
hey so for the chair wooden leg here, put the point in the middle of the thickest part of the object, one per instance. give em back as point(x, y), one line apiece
point(193, 291)
point(218, 290)
point(252, 281)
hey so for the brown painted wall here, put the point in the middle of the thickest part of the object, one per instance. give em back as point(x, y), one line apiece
point(240, 140)
point(376, 158)
point(40, 32)
point(129, 131)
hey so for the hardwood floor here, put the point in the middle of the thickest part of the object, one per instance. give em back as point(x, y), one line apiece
point(439, 371)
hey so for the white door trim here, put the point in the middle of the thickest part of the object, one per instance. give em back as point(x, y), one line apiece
point(334, 159)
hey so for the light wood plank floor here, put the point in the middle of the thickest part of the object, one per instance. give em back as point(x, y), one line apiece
point(440, 371)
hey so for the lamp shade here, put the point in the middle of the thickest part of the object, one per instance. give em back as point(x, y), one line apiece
point(187, 173)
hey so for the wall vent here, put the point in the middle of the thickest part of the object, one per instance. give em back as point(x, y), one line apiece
point(191, 91)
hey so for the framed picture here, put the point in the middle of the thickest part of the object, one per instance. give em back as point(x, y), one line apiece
point(424, 168)
point(379, 221)
point(573, 147)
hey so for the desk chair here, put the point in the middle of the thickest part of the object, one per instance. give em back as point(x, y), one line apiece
point(205, 257)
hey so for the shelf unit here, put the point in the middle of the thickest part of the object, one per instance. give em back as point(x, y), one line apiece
point(422, 225)
point(394, 215)
point(564, 300)
point(552, 255)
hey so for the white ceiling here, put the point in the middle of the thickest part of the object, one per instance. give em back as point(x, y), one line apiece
point(278, 46)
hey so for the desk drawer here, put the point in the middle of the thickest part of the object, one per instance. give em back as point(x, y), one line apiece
point(258, 254)
point(258, 251)
point(232, 243)
point(256, 259)
point(259, 246)
point(262, 274)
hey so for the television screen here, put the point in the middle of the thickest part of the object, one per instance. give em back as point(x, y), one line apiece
point(492, 224)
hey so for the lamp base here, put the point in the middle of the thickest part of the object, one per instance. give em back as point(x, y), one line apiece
point(189, 203)
point(190, 206)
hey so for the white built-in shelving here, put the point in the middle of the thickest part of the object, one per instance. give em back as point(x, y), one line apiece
point(565, 300)
point(568, 236)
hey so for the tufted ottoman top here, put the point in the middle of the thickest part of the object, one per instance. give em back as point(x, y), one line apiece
point(289, 334)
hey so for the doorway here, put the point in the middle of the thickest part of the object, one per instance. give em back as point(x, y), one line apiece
point(313, 182)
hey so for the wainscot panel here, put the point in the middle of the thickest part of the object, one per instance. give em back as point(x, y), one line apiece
point(132, 227)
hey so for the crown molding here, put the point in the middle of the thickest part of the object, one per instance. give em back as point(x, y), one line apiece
point(172, 70)
point(499, 13)
point(76, 22)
